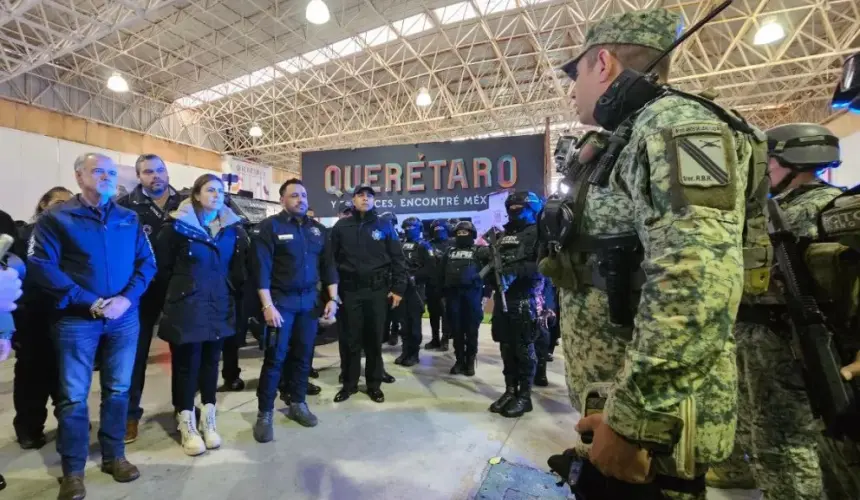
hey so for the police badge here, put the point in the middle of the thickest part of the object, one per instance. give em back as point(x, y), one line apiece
point(315, 231)
point(376, 234)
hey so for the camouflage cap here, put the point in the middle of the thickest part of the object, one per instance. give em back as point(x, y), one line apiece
point(655, 28)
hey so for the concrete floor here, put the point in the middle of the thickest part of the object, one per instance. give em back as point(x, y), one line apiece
point(431, 439)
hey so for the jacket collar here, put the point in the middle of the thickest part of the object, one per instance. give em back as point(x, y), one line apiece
point(137, 196)
point(79, 207)
point(186, 215)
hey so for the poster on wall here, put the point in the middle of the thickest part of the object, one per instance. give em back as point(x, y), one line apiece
point(426, 178)
point(252, 177)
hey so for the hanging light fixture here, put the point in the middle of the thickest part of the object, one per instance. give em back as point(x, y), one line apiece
point(117, 83)
point(768, 33)
point(423, 98)
point(317, 12)
point(255, 131)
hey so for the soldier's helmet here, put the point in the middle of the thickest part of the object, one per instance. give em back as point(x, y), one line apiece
point(803, 147)
point(411, 222)
point(526, 199)
point(466, 226)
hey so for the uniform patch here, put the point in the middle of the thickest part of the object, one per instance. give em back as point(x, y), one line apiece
point(315, 231)
point(409, 246)
point(702, 161)
point(376, 234)
point(285, 237)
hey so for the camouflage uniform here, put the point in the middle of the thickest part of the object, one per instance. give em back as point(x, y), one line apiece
point(774, 402)
point(689, 220)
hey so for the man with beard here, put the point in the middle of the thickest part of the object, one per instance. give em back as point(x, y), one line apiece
point(152, 200)
point(290, 255)
point(373, 278)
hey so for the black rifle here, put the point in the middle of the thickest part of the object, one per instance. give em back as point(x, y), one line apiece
point(832, 398)
point(495, 265)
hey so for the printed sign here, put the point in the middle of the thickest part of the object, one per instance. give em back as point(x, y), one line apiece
point(426, 178)
point(252, 177)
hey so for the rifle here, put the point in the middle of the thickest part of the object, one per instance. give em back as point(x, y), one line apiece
point(832, 398)
point(495, 265)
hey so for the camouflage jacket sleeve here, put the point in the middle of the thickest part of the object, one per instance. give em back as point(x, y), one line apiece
point(802, 211)
point(686, 173)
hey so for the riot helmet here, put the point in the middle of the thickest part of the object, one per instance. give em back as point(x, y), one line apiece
point(465, 234)
point(439, 229)
point(802, 147)
point(523, 207)
point(412, 229)
point(452, 224)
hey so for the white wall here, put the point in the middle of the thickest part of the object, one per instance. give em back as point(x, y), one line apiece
point(848, 174)
point(34, 163)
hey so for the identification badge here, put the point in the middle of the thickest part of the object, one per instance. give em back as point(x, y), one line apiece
point(285, 237)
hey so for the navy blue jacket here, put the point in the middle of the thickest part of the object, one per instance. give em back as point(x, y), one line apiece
point(79, 254)
point(201, 274)
point(365, 247)
point(289, 257)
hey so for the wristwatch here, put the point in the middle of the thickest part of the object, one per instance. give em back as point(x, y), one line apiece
point(336, 300)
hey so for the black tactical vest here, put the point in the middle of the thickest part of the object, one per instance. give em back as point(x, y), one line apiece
point(461, 269)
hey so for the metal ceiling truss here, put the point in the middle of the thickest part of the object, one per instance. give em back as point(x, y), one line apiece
point(203, 72)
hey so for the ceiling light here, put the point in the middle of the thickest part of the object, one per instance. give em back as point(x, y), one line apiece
point(317, 12)
point(423, 98)
point(255, 131)
point(769, 33)
point(117, 83)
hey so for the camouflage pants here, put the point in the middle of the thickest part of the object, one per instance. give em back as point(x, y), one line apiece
point(776, 425)
point(591, 353)
point(840, 465)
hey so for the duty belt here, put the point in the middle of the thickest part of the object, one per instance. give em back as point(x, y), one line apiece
point(353, 281)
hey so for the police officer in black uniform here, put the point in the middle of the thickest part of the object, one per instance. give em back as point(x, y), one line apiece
point(290, 255)
point(463, 288)
point(435, 307)
point(152, 200)
point(373, 279)
point(517, 329)
point(420, 267)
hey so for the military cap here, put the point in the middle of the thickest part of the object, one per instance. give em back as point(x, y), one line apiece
point(654, 28)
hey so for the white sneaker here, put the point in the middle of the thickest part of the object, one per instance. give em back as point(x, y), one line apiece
point(192, 443)
point(208, 427)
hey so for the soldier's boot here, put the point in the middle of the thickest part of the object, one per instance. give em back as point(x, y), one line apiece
point(540, 375)
point(458, 368)
point(469, 366)
point(509, 395)
point(519, 406)
point(727, 478)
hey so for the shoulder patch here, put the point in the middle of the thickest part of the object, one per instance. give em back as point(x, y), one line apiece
point(702, 160)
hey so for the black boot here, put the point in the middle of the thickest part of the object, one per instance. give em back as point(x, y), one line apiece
point(519, 406)
point(469, 366)
point(458, 368)
point(433, 344)
point(410, 360)
point(392, 339)
point(509, 395)
point(443, 345)
point(399, 360)
point(540, 375)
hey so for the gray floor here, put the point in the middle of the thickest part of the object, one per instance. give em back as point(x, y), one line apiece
point(431, 439)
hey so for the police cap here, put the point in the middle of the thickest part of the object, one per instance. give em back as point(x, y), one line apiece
point(803, 146)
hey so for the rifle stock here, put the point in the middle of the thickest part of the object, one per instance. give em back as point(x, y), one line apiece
point(832, 398)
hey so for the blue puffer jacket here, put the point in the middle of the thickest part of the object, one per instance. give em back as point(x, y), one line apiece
point(78, 254)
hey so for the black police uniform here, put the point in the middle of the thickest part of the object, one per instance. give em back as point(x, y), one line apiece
point(517, 330)
point(435, 307)
point(420, 267)
point(290, 256)
point(370, 264)
point(463, 289)
point(152, 218)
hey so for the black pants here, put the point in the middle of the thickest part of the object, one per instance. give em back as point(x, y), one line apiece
point(592, 484)
point(516, 331)
point(297, 334)
point(149, 313)
point(542, 345)
point(195, 368)
point(410, 311)
point(393, 323)
point(464, 312)
point(436, 310)
point(36, 374)
point(230, 369)
point(364, 314)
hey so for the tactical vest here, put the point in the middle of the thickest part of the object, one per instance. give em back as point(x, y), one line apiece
point(757, 250)
point(461, 269)
point(410, 249)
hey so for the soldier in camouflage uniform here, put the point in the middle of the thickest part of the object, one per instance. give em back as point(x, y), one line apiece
point(773, 401)
point(674, 201)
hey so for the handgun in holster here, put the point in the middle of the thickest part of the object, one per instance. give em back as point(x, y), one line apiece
point(268, 335)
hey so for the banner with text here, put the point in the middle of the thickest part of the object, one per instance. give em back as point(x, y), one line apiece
point(252, 177)
point(422, 178)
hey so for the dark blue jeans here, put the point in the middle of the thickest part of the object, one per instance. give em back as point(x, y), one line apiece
point(296, 336)
point(75, 341)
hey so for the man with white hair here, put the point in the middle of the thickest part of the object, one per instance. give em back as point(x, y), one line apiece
point(94, 259)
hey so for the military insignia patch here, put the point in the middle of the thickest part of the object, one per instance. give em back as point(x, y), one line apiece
point(702, 161)
point(376, 234)
point(315, 231)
